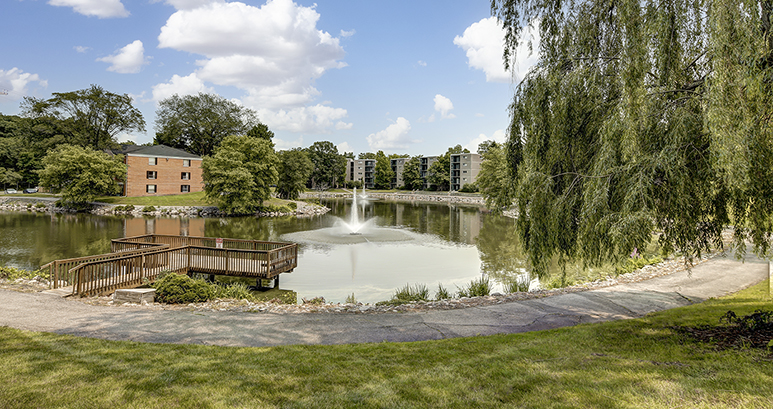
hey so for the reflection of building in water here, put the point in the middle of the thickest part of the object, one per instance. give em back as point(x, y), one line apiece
point(464, 224)
point(184, 226)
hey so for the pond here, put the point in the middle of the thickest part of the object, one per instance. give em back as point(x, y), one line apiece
point(425, 243)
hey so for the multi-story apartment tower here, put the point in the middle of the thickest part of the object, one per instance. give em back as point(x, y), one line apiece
point(464, 169)
point(398, 166)
point(361, 170)
point(426, 162)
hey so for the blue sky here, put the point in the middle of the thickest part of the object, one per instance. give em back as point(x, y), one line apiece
point(410, 77)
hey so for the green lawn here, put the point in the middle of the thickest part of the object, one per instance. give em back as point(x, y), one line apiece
point(640, 363)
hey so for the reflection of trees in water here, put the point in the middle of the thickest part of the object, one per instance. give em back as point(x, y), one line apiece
point(258, 228)
point(32, 239)
point(501, 255)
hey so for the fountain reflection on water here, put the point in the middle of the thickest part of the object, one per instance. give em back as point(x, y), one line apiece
point(352, 232)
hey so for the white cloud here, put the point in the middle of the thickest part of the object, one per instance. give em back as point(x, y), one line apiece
point(347, 33)
point(283, 145)
point(394, 137)
point(273, 52)
point(127, 60)
point(189, 4)
point(188, 85)
point(15, 81)
point(484, 43)
point(444, 106)
point(313, 119)
point(344, 147)
point(81, 49)
point(98, 8)
point(497, 136)
point(422, 63)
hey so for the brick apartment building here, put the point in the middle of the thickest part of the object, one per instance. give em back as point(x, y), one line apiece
point(160, 170)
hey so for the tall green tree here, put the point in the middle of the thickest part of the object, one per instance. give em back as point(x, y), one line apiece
point(328, 164)
point(641, 118)
point(383, 172)
point(412, 174)
point(81, 174)
point(494, 180)
point(237, 178)
point(199, 123)
point(294, 170)
point(440, 171)
point(96, 115)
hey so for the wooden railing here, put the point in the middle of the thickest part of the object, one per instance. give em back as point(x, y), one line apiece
point(140, 259)
point(59, 270)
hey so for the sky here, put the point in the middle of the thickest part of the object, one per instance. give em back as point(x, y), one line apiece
point(410, 77)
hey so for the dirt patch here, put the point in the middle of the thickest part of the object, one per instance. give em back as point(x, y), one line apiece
point(750, 331)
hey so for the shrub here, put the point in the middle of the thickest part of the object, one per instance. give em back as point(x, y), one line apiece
point(518, 285)
point(235, 291)
point(293, 205)
point(13, 273)
point(418, 292)
point(148, 209)
point(181, 289)
point(350, 299)
point(442, 293)
point(469, 188)
point(635, 263)
point(314, 301)
point(40, 205)
point(477, 288)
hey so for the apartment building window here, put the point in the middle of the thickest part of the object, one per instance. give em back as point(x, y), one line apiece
point(185, 176)
point(185, 188)
point(150, 188)
point(152, 161)
point(151, 174)
point(186, 163)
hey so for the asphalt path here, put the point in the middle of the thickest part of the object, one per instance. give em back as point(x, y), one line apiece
point(47, 313)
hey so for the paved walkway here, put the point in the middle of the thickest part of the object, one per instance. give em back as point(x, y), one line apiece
point(715, 278)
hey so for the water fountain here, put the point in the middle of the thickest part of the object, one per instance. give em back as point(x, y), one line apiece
point(352, 232)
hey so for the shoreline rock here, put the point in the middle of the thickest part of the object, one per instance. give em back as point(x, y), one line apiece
point(669, 266)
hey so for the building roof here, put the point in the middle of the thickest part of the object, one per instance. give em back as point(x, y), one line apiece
point(161, 151)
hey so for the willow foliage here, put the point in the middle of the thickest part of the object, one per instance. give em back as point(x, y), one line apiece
point(641, 117)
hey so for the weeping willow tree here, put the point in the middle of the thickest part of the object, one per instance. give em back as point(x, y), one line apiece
point(641, 117)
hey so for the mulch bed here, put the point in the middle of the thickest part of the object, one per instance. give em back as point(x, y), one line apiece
point(750, 331)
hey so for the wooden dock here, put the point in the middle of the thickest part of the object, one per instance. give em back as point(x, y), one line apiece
point(135, 261)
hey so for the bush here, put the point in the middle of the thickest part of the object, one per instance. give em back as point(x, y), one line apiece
point(40, 205)
point(442, 293)
point(517, 286)
point(235, 291)
point(477, 288)
point(13, 273)
point(148, 209)
point(181, 289)
point(469, 188)
point(636, 263)
point(293, 205)
point(418, 292)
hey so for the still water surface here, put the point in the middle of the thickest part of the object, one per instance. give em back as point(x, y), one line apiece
point(449, 245)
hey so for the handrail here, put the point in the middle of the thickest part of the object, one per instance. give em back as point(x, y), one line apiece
point(107, 272)
point(56, 278)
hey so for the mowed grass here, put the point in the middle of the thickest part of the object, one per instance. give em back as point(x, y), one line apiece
point(641, 363)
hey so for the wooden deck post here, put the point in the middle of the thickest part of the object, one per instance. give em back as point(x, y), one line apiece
point(276, 282)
